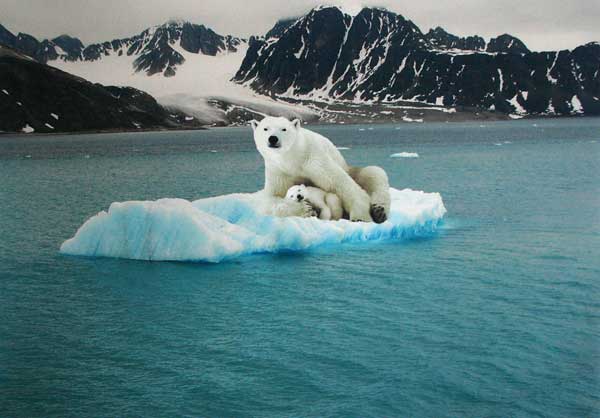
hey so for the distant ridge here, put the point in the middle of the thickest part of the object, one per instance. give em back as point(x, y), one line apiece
point(154, 48)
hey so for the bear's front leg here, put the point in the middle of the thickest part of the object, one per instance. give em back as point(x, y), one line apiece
point(374, 181)
point(277, 183)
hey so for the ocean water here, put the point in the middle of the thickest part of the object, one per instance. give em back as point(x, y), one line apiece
point(496, 315)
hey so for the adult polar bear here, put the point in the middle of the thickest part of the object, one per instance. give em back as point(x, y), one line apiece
point(294, 155)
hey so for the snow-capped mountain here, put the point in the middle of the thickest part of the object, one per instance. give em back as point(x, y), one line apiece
point(377, 56)
point(155, 49)
point(152, 49)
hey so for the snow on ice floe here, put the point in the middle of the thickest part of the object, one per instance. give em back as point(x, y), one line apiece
point(405, 155)
point(229, 226)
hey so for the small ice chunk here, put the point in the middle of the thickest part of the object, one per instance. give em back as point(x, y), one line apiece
point(405, 155)
point(409, 119)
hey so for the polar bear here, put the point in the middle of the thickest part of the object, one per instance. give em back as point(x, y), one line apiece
point(294, 155)
point(327, 205)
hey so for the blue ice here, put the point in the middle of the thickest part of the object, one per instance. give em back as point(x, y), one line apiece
point(225, 227)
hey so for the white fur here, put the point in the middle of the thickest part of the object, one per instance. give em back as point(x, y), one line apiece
point(328, 205)
point(306, 157)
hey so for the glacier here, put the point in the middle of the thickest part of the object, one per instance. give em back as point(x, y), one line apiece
point(229, 226)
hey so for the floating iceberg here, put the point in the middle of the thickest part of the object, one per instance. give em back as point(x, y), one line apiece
point(229, 226)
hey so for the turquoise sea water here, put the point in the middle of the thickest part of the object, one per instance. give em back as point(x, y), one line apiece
point(496, 315)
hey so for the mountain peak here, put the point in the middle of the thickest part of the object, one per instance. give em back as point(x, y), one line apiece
point(506, 43)
point(349, 10)
point(175, 22)
point(7, 37)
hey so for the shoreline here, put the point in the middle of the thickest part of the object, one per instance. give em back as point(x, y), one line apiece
point(505, 118)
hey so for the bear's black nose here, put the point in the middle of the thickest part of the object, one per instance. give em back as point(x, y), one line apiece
point(299, 197)
point(273, 140)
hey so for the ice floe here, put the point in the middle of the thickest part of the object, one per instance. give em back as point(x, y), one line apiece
point(229, 226)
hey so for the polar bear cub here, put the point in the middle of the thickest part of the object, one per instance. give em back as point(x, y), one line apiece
point(327, 205)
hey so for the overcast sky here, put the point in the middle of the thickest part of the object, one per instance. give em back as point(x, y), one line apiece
point(541, 24)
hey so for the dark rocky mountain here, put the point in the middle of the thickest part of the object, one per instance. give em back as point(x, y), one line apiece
point(38, 98)
point(280, 27)
point(441, 39)
point(155, 49)
point(507, 44)
point(64, 46)
point(380, 57)
point(6, 37)
point(72, 47)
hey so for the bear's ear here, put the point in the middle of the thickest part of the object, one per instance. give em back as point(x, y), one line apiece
point(296, 123)
point(254, 124)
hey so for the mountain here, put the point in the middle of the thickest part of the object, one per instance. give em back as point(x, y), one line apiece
point(37, 98)
point(378, 56)
point(187, 67)
point(331, 66)
point(62, 47)
point(155, 50)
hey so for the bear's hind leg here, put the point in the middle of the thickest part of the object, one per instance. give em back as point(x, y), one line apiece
point(375, 182)
point(335, 206)
point(325, 214)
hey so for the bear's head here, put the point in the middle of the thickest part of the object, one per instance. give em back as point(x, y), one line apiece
point(274, 136)
point(296, 193)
